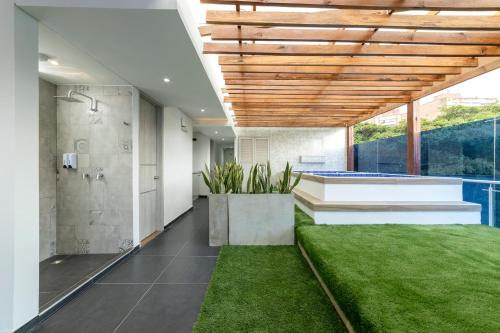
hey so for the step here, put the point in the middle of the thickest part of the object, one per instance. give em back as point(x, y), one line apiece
point(388, 212)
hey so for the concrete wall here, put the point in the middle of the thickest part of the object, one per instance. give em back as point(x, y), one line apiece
point(47, 168)
point(177, 164)
point(19, 193)
point(95, 216)
point(288, 144)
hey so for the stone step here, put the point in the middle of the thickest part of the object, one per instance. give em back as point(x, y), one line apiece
point(316, 204)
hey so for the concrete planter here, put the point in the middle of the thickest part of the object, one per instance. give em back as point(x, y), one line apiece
point(218, 219)
point(261, 219)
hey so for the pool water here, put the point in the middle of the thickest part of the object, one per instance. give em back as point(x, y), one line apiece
point(353, 174)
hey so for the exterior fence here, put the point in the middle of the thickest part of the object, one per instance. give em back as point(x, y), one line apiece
point(470, 151)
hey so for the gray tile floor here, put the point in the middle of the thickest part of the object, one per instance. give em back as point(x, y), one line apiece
point(160, 289)
point(60, 274)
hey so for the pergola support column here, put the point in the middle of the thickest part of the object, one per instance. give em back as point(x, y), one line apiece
point(350, 148)
point(413, 142)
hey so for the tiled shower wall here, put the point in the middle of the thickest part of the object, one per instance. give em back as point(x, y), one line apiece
point(47, 168)
point(95, 216)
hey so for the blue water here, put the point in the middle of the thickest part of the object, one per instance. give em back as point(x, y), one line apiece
point(353, 174)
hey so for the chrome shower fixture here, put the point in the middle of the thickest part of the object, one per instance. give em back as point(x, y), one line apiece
point(69, 98)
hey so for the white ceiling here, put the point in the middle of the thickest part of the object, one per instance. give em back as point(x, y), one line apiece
point(139, 47)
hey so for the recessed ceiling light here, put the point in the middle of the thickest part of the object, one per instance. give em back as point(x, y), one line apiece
point(53, 62)
point(166, 80)
point(202, 110)
point(223, 139)
point(216, 132)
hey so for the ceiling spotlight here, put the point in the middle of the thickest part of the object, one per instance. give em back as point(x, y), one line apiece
point(166, 80)
point(53, 62)
point(223, 139)
point(216, 132)
point(202, 110)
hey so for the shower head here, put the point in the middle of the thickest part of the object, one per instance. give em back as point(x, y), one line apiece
point(71, 99)
point(68, 99)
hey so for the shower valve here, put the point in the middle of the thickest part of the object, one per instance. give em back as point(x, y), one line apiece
point(99, 174)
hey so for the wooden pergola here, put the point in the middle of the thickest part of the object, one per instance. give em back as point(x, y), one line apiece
point(330, 63)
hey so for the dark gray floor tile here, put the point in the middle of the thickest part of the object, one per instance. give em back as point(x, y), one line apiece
point(62, 273)
point(47, 298)
point(137, 269)
point(163, 245)
point(193, 248)
point(189, 270)
point(99, 309)
point(166, 308)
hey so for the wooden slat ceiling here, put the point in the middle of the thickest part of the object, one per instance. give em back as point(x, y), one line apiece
point(321, 63)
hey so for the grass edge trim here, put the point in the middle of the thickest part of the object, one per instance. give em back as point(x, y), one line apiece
point(327, 291)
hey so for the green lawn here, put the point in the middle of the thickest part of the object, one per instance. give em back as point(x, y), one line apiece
point(265, 289)
point(396, 278)
point(302, 219)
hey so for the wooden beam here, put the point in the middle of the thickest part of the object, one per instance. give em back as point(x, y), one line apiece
point(371, 4)
point(490, 65)
point(317, 94)
point(348, 61)
point(370, 96)
point(311, 108)
point(324, 83)
point(314, 89)
point(329, 77)
point(231, 33)
point(413, 139)
point(315, 99)
point(294, 103)
point(352, 50)
point(342, 69)
point(350, 148)
point(337, 18)
point(300, 123)
point(304, 111)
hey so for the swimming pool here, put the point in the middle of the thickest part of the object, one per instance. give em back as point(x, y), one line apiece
point(354, 174)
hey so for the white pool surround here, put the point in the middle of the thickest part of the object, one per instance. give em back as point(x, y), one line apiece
point(382, 188)
point(385, 200)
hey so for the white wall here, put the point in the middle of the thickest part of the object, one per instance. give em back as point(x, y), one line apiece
point(19, 190)
point(288, 144)
point(177, 164)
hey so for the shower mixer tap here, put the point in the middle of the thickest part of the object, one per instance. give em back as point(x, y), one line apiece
point(99, 174)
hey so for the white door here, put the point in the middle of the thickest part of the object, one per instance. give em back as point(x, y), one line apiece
point(148, 167)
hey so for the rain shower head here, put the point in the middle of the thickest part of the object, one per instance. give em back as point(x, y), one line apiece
point(68, 99)
point(71, 99)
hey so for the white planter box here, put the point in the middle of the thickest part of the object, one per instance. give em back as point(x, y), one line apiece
point(261, 219)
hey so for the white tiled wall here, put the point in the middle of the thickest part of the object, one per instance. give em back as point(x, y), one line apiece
point(288, 144)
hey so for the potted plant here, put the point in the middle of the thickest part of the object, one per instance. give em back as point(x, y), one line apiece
point(222, 180)
point(264, 215)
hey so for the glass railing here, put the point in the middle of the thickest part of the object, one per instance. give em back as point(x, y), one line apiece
point(470, 151)
point(384, 156)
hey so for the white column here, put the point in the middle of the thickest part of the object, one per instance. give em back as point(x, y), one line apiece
point(19, 193)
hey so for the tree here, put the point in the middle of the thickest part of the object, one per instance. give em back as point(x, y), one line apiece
point(449, 116)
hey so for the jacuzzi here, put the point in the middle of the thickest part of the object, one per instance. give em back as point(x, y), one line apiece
point(340, 197)
point(363, 186)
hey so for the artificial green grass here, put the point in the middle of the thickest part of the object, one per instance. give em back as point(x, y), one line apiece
point(265, 289)
point(301, 218)
point(396, 278)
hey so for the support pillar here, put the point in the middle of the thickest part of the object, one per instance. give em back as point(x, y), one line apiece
point(413, 135)
point(350, 148)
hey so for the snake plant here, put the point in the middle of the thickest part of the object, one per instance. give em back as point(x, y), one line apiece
point(229, 179)
point(284, 182)
point(224, 179)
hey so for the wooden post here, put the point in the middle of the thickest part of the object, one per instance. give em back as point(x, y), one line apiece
point(350, 148)
point(413, 134)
